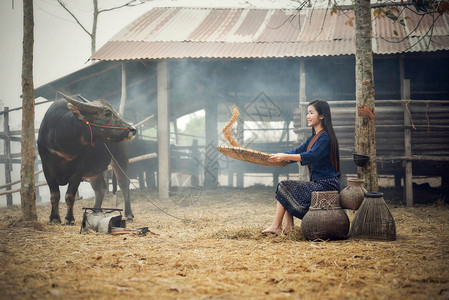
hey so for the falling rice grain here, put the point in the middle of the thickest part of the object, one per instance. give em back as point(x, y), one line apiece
point(227, 130)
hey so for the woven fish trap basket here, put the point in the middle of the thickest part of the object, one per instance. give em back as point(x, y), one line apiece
point(252, 156)
point(325, 219)
point(325, 200)
point(373, 220)
point(325, 224)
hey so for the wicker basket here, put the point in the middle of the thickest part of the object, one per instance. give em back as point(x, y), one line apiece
point(325, 224)
point(325, 200)
point(325, 219)
point(255, 157)
point(373, 220)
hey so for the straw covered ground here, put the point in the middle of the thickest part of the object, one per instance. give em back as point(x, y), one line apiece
point(217, 252)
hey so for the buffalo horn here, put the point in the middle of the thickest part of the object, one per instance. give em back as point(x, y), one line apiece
point(87, 107)
point(82, 98)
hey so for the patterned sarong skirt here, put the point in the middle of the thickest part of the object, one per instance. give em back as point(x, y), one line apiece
point(295, 195)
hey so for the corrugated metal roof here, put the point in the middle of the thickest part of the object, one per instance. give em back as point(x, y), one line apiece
point(263, 33)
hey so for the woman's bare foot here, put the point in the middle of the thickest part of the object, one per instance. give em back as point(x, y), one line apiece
point(273, 230)
point(287, 230)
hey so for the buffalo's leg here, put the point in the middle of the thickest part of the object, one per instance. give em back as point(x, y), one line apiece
point(123, 183)
point(99, 186)
point(124, 186)
point(70, 200)
point(120, 165)
point(55, 196)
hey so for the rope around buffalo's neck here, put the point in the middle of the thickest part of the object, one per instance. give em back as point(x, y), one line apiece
point(146, 198)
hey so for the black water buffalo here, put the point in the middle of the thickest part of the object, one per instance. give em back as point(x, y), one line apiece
point(72, 145)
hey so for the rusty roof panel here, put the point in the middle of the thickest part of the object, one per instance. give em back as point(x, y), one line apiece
point(160, 50)
point(217, 22)
point(253, 21)
point(263, 33)
point(280, 26)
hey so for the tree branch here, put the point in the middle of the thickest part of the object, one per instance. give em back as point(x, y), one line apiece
point(429, 33)
point(130, 3)
point(74, 17)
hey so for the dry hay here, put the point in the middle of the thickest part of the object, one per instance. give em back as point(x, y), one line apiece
point(217, 251)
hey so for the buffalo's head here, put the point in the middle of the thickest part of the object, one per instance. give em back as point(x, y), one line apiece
point(103, 119)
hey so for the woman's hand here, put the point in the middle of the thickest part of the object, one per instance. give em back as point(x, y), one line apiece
point(278, 157)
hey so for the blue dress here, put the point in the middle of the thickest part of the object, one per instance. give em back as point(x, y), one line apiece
point(295, 195)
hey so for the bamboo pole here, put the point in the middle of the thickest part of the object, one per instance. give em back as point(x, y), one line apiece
point(415, 158)
point(144, 121)
point(142, 157)
point(17, 181)
point(7, 110)
point(138, 158)
point(18, 190)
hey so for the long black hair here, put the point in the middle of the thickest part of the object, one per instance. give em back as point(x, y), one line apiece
point(323, 109)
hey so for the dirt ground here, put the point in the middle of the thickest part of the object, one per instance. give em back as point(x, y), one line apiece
point(216, 251)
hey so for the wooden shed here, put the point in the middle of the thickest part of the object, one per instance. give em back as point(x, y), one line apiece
point(172, 62)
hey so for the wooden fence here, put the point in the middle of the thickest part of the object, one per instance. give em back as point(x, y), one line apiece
point(8, 159)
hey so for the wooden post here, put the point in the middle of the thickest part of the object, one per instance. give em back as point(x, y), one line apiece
point(195, 168)
point(123, 98)
point(7, 151)
point(230, 178)
point(240, 180)
point(397, 181)
point(175, 129)
point(408, 185)
point(275, 178)
point(211, 163)
point(163, 128)
point(303, 170)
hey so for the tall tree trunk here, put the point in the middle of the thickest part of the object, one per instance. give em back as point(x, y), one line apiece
point(365, 142)
point(93, 36)
point(28, 153)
